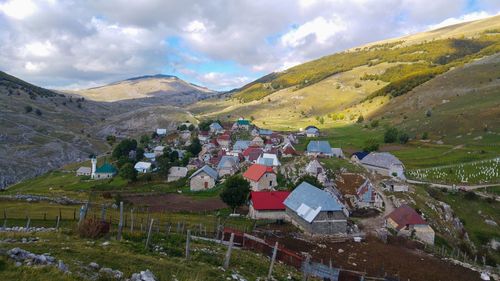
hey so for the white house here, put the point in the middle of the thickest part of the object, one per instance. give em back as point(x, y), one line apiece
point(143, 167)
point(161, 132)
point(268, 159)
point(158, 151)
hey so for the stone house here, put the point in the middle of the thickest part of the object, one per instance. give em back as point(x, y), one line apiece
point(203, 179)
point(176, 173)
point(84, 171)
point(384, 163)
point(407, 222)
point(268, 205)
point(260, 177)
point(316, 211)
point(312, 131)
point(228, 165)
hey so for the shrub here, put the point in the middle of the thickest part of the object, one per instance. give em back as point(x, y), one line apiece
point(357, 85)
point(107, 195)
point(38, 112)
point(360, 119)
point(28, 109)
point(93, 228)
point(428, 113)
point(371, 145)
point(470, 195)
point(391, 135)
point(403, 138)
point(374, 123)
point(425, 135)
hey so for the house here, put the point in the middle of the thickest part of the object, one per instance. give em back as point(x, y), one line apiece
point(240, 145)
point(158, 151)
point(224, 141)
point(228, 165)
point(291, 138)
point(241, 124)
point(203, 179)
point(257, 141)
point(268, 159)
point(203, 136)
point(337, 152)
point(316, 211)
point(314, 168)
point(106, 171)
point(312, 132)
point(161, 132)
point(84, 171)
point(185, 135)
point(288, 150)
point(176, 173)
point(319, 149)
point(216, 128)
point(150, 156)
point(142, 167)
point(368, 197)
point(260, 177)
point(384, 163)
point(265, 133)
point(358, 156)
point(407, 222)
point(395, 186)
point(268, 205)
point(195, 164)
point(205, 155)
point(251, 154)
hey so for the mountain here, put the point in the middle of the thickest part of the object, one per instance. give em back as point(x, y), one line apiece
point(42, 130)
point(368, 81)
point(159, 88)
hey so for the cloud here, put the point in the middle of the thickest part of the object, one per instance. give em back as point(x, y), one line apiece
point(464, 18)
point(64, 43)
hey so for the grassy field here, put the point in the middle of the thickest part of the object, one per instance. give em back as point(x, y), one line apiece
point(486, 171)
point(167, 264)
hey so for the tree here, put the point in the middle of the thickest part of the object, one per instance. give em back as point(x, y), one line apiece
point(391, 135)
point(205, 125)
point(182, 127)
point(235, 193)
point(28, 109)
point(123, 148)
point(164, 164)
point(128, 172)
point(360, 119)
point(139, 154)
point(144, 139)
point(191, 127)
point(194, 147)
point(371, 145)
point(311, 180)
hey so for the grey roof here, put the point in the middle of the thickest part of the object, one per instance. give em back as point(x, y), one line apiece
point(208, 170)
point(313, 197)
point(265, 132)
point(227, 161)
point(241, 145)
point(319, 147)
point(84, 170)
point(381, 159)
point(216, 126)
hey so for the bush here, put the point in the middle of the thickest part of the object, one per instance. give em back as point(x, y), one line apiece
point(391, 135)
point(403, 138)
point(371, 145)
point(93, 228)
point(428, 113)
point(425, 135)
point(360, 119)
point(107, 195)
point(38, 112)
point(374, 123)
point(28, 109)
point(470, 195)
point(128, 172)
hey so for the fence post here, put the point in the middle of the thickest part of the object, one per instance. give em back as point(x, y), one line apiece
point(60, 213)
point(188, 242)
point(120, 223)
point(44, 216)
point(228, 253)
point(58, 220)
point(131, 220)
point(305, 269)
point(149, 232)
point(82, 214)
point(28, 223)
point(275, 252)
point(103, 213)
point(74, 214)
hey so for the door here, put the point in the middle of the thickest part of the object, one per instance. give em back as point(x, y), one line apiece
point(206, 185)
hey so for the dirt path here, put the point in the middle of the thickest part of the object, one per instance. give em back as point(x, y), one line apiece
point(461, 187)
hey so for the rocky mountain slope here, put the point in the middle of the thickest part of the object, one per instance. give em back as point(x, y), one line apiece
point(164, 89)
point(42, 130)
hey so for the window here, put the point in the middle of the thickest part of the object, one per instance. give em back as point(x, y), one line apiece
point(270, 183)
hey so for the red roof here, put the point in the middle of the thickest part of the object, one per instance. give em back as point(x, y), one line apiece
point(268, 200)
point(224, 137)
point(405, 215)
point(256, 171)
point(251, 149)
point(289, 150)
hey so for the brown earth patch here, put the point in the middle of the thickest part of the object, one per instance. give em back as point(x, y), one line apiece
point(176, 203)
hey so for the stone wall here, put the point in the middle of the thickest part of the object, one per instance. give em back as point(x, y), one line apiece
point(324, 223)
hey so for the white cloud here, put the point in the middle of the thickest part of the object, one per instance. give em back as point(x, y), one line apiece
point(18, 9)
point(467, 17)
point(103, 41)
point(319, 30)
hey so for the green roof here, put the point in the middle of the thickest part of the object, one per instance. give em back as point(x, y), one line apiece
point(106, 169)
point(243, 122)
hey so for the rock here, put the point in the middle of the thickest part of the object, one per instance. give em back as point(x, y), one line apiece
point(105, 243)
point(495, 244)
point(61, 266)
point(108, 272)
point(94, 265)
point(147, 276)
point(18, 264)
point(490, 222)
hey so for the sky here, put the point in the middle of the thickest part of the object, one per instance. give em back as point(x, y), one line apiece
point(74, 44)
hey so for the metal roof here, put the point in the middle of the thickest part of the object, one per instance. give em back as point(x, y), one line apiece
point(319, 146)
point(208, 170)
